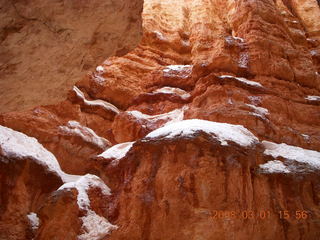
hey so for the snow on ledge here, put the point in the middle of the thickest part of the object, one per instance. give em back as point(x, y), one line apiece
point(159, 35)
point(182, 71)
point(293, 154)
point(95, 227)
point(16, 145)
point(313, 98)
point(74, 128)
point(33, 220)
point(117, 152)
point(259, 111)
point(275, 166)
point(175, 91)
point(176, 68)
point(82, 184)
point(100, 69)
point(221, 131)
point(239, 38)
point(176, 115)
point(305, 136)
point(243, 80)
point(233, 34)
point(99, 103)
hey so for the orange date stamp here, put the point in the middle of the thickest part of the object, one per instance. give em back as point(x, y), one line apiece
point(259, 215)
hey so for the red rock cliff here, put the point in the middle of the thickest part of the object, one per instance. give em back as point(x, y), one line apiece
point(209, 129)
point(47, 45)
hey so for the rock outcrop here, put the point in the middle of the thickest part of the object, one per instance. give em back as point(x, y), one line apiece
point(208, 129)
point(46, 46)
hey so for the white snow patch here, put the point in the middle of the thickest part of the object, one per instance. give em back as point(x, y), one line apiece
point(117, 152)
point(239, 38)
point(87, 134)
point(100, 69)
point(176, 68)
point(82, 184)
point(255, 99)
point(221, 131)
point(33, 220)
point(243, 80)
point(14, 144)
point(313, 52)
point(243, 60)
point(229, 40)
point(236, 38)
point(259, 111)
point(17, 145)
point(305, 136)
point(159, 35)
point(292, 153)
point(176, 91)
point(99, 79)
point(313, 98)
point(170, 117)
point(182, 71)
point(291, 21)
point(275, 166)
point(286, 13)
point(95, 227)
point(100, 103)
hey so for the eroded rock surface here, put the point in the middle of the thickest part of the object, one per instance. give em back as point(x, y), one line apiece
point(46, 46)
point(209, 129)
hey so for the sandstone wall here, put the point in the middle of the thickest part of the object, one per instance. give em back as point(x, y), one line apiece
point(46, 46)
point(249, 69)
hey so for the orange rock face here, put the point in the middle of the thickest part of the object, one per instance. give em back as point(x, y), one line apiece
point(46, 46)
point(209, 129)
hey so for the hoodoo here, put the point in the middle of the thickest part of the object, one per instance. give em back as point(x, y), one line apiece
point(207, 129)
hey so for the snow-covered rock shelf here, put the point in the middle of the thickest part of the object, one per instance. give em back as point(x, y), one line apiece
point(292, 156)
point(223, 132)
point(34, 221)
point(243, 80)
point(180, 71)
point(173, 91)
point(313, 98)
point(258, 111)
point(16, 145)
point(170, 117)
point(73, 128)
point(97, 103)
point(117, 152)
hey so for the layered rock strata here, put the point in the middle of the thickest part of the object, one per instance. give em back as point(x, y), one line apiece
point(209, 129)
point(46, 46)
